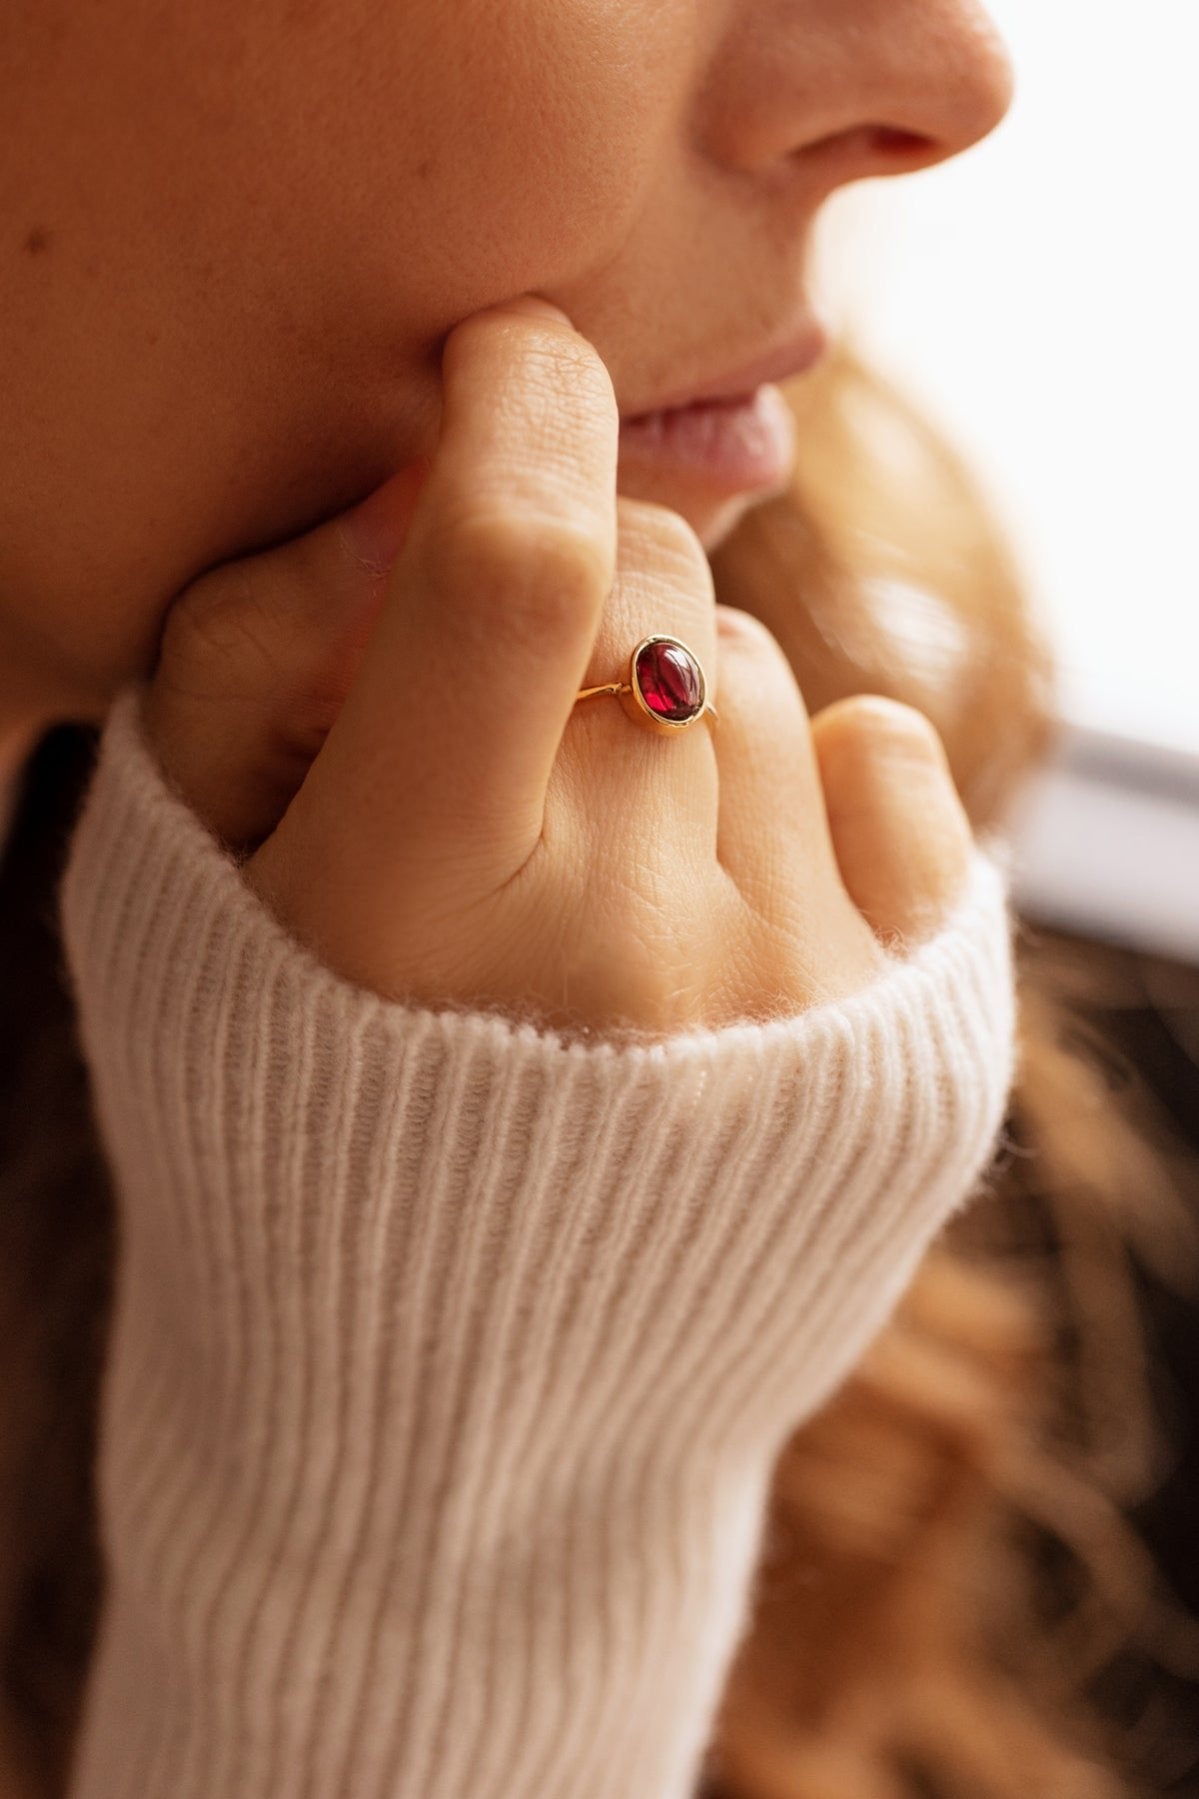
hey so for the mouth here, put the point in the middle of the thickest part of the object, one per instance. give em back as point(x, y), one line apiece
point(801, 351)
point(735, 432)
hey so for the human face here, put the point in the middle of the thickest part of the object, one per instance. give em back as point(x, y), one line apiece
point(237, 234)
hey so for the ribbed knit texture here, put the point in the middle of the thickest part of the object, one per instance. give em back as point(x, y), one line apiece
point(451, 1358)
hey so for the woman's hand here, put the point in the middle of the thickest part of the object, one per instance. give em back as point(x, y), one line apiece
point(439, 821)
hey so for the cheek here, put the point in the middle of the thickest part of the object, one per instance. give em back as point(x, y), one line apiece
point(552, 121)
point(470, 149)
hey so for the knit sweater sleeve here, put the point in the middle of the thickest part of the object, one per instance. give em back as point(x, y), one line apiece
point(450, 1357)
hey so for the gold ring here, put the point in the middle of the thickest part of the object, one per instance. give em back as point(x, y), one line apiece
point(666, 689)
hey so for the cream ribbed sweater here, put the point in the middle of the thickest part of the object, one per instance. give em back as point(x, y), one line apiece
point(451, 1359)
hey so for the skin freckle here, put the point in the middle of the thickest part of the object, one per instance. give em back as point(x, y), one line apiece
point(38, 241)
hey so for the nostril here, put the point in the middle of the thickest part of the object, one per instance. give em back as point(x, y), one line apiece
point(875, 150)
point(892, 140)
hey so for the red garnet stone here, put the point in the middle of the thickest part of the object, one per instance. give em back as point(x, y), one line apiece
point(669, 680)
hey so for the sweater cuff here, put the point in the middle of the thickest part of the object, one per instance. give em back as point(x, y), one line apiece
point(451, 1357)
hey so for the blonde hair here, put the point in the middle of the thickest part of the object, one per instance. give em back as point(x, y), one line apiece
point(897, 1645)
point(886, 1651)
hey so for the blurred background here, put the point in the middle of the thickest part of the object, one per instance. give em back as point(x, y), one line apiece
point(1039, 297)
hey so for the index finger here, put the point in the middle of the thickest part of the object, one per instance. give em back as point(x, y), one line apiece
point(459, 705)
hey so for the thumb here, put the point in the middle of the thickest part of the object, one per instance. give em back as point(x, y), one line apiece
point(257, 657)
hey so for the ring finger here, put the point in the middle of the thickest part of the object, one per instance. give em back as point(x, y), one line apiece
point(647, 800)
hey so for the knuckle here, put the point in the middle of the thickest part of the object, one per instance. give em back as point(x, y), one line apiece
point(654, 536)
point(872, 727)
point(216, 628)
point(203, 619)
point(755, 673)
point(743, 630)
point(547, 567)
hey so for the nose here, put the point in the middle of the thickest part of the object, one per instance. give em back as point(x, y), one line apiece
point(853, 88)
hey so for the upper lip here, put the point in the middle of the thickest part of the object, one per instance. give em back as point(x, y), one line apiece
point(801, 350)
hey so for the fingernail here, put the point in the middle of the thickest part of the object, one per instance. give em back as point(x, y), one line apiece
point(376, 529)
point(536, 307)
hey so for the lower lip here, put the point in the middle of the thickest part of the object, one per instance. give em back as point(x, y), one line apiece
point(737, 445)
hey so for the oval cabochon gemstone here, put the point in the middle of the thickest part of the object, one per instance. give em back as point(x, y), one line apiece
point(670, 681)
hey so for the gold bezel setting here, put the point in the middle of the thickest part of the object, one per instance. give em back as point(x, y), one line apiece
point(634, 701)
